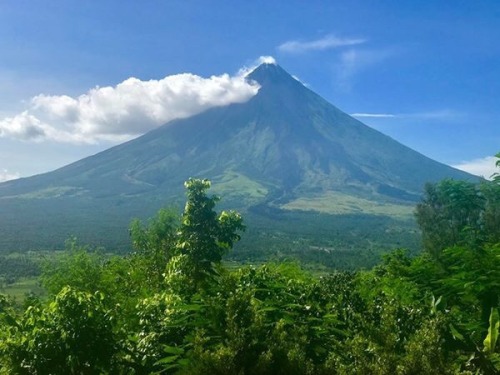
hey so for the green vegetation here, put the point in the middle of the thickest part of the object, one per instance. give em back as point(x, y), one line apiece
point(319, 241)
point(340, 203)
point(23, 288)
point(172, 307)
point(14, 266)
point(459, 213)
point(240, 186)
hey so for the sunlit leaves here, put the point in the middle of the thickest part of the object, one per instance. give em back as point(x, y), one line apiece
point(422, 315)
point(491, 339)
point(204, 236)
point(72, 334)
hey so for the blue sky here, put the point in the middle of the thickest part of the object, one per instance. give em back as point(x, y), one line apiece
point(77, 77)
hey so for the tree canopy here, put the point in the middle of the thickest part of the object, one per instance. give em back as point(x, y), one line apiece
point(172, 306)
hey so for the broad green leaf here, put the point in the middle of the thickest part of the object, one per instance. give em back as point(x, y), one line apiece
point(167, 360)
point(173, 350)
point(491, 339)
point(456, 335)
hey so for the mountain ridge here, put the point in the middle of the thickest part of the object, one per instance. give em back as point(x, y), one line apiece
point(284, 147)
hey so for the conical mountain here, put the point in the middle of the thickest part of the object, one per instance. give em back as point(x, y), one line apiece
point(284, 147)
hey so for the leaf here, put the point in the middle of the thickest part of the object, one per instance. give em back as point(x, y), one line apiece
point(339, 332)
point(456, 335)
point(173, 350)
point(192, 307)
point(491, 339)
point(293, 306)
point(268, 309)
point(183, 362)
point(331, 317)
point(167, 360)
point(8, 319)
point(434, 304)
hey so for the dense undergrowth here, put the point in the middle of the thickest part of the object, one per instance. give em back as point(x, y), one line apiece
point(172, 307)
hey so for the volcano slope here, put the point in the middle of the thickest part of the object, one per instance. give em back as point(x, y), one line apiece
point(308, 178)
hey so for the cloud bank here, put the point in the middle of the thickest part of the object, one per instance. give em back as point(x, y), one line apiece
point(438, 115)
point(327, 42)
point(484, 167)
point(373, 115)
point(5, 175)
point(128, 109)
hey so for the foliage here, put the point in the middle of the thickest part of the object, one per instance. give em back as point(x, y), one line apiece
point(155, 243)
point(72, 334)
point(491, 214)
point(172, 307)
point(12, 268)
point(78, 266)
point(204, 236)
point(459, 213)
point(496, 175)
point(490, 341)
point(450, 214)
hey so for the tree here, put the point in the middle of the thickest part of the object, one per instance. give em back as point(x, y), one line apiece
point(491, 192)
point(71, 335)
point(496, 175)
point(460, 213)
point(450, 214)
point(205, 236)
point(79, 266)
point(155, 243)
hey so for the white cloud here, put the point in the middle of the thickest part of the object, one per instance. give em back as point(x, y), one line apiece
point(438, 115)
point(327, 42)
point(246, 70)
point(266, 60)
point(5, 175)
point(484, 167)
point(128, 109)
point(353, 61)
point(22, 126)
point(302, 82)
point(373, 115)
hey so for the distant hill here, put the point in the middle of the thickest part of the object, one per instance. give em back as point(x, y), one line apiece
point(284, 153)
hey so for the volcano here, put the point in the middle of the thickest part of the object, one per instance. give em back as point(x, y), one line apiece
point(286, 151)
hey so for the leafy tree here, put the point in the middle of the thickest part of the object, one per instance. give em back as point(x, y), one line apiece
point(123, 280)
point(460, 213)
point(14, 267)
point(155, 243)
point(205, 236)
point(79, 267)
point(450, 214)
point(71, 335)
point(491, 214)
point(471, 280)
point(496, 175)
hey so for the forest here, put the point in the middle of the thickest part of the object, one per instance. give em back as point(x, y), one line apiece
point(173, 306)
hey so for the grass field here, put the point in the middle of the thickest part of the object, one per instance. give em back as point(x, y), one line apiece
point(23, 287)
point(338, 203)
point(240, 186)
